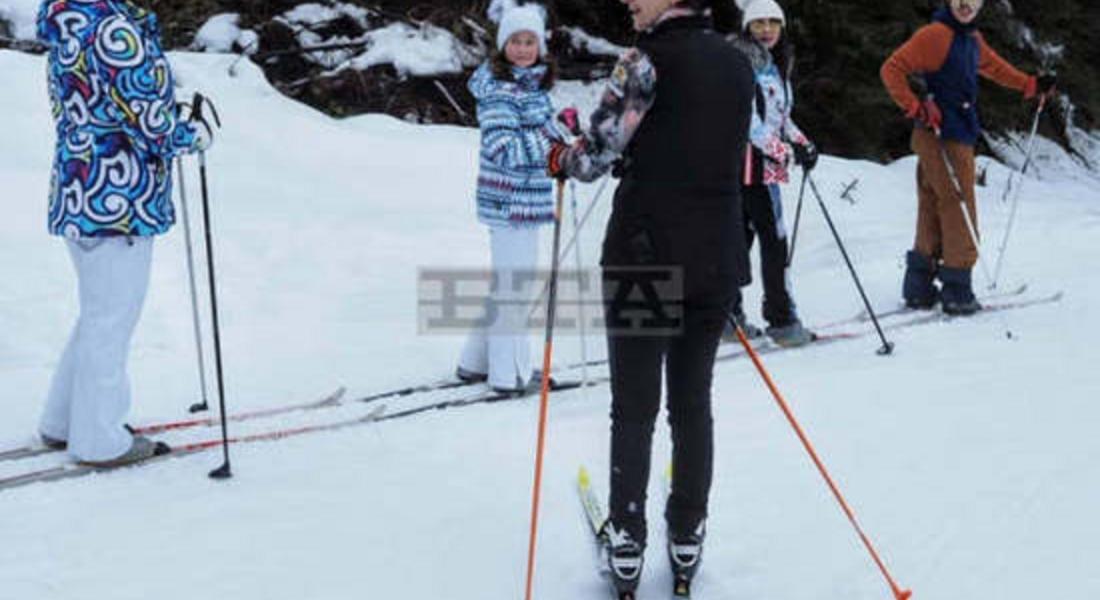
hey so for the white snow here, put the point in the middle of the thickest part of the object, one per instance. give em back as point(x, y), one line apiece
point(319, 14)
point(222, 31)
point(970, 459)
point(422, 52)
point(22, 15)
point(582, 40)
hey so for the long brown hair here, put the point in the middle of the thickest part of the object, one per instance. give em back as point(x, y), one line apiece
point(502, 69)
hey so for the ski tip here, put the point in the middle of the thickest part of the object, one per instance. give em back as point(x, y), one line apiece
point(903, 594)
point(335, 397)
point(375, 414)
point(583, 479)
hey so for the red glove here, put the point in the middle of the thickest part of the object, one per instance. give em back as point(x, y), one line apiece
point(927, 112)
point(556, 161)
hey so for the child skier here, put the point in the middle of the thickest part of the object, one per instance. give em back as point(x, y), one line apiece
point(949, 54)
point(117, 132)
point(514, 191)
point(774, 140)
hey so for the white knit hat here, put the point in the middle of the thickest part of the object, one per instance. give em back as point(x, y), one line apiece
point(512, 18)
point(755, 10)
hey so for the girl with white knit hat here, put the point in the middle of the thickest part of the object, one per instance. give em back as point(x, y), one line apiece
point(514, 190)
point(774, 140)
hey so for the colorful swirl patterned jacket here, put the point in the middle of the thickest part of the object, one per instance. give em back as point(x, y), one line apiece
point(112, 96)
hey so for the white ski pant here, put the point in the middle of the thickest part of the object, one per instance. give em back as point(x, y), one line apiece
point(501, 347)
point(90, 392)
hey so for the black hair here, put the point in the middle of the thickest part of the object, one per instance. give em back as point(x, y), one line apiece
point(782, 53)
point(502, 69)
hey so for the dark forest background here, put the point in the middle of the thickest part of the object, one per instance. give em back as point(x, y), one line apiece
point(839, 45)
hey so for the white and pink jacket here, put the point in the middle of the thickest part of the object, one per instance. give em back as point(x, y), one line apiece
point(772, 130)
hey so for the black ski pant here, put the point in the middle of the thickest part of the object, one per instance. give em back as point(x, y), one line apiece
point(764, 220)
point(637, 362)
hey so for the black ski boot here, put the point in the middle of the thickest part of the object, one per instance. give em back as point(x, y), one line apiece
point(919, 288)
point(685, 553)
point(958, 293)
point(624, 557)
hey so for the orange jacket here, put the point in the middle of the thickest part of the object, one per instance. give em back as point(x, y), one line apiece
point(927, 51)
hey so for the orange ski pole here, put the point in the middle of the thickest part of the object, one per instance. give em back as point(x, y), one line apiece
point(544, 392)
point(899, 594)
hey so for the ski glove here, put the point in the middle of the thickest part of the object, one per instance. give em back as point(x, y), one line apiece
point(204, 138)
point(1046, 83)
point(926, 111)
point(556, 161)
point(570, 118)
point(805, 155)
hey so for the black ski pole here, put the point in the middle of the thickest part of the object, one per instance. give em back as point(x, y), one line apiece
point(797, 217)
point(887, 346)
point(224, 471)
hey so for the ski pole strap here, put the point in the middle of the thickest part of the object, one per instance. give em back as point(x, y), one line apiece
point(199, 104)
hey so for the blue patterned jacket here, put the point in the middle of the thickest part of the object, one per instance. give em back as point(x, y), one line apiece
point(517, 127)
point(112, 97)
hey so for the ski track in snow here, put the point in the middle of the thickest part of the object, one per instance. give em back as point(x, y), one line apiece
point(969, 459)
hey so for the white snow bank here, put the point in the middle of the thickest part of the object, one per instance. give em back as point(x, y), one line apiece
point(582, 40)
point(421, 52)
point(314, 14)
point(222, 33)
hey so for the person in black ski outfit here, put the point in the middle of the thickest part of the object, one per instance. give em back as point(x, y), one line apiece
point(676, 109)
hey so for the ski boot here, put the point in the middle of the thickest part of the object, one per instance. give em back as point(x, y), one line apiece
point(141, 449)
point(791, 335)
point(751, 331)
point(919, 287)
point(624, 557)
point(685, 553)
point(958, 294)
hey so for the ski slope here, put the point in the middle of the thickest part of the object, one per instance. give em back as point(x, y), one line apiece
point(969, 458)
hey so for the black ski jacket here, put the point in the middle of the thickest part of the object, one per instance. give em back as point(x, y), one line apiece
point(679, 202)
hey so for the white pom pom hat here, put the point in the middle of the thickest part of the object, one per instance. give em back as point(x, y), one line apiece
point(755, 10)
point(512, 18)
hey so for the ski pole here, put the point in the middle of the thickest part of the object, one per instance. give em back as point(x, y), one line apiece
point(887, 346)
point(580, 292)
point(544, 393)
point(204, 405)
point(224, 471)
point(970, 228)
point(1016, 194)
point(899, 594)
point(797, 216)
point(572, 241)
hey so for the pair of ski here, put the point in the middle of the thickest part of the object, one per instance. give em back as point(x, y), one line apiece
point(70, 470)
point(595, 516)
point(992, 303)
point(480, 397)
point(337, 398)
point(863, 316)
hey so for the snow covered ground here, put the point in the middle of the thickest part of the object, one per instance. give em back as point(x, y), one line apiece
point(969, 458)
